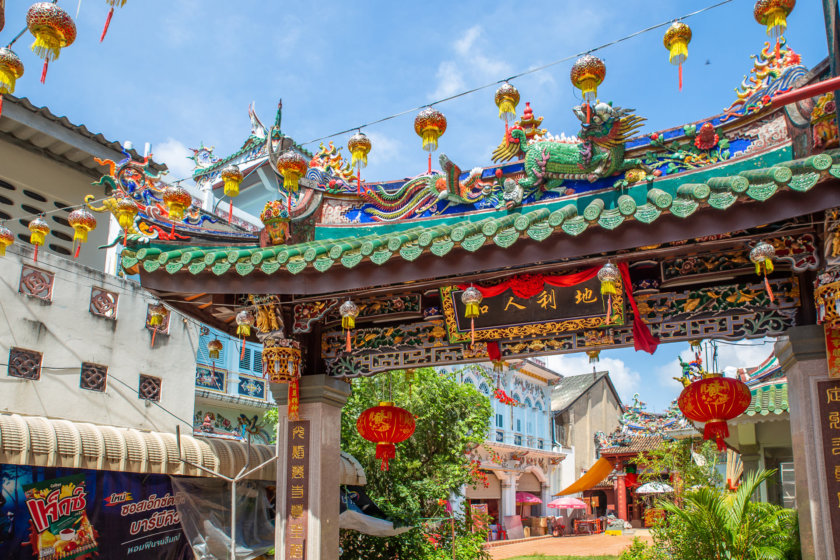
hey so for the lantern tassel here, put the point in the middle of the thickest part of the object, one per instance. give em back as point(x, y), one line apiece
point(680, 73)
point(242, 352)
point(717, 430)
point(78, 249)
point(609, 309)
point(348, 348)
point(472, 332)
point(44, 70)
point(778, 53)
point(769, 289)
point(154, 332)
point(386, 452)
point(107, 24)
point(35, 257)
point(230, 212)
point(430, 167)
point(1, 105)
point(294, 400)
point(588, 113)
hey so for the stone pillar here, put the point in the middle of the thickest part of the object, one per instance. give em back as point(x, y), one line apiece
point(801, 354)
point(545, 496)
point(508, 505)
point(321, 399)
point(621, 497)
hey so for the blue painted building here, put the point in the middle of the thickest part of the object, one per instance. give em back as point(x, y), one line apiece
point(231, 394)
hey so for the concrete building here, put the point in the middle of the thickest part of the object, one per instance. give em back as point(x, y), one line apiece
point(517, 455)
point(581, 406)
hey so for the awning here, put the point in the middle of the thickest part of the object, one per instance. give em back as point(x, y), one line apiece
point(593, 476)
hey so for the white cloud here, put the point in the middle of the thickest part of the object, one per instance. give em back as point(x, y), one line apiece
point(174, 154)
point(470, 64)
point(626, 380)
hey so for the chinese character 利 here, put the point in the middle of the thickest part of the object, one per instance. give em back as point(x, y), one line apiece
point(547, 299)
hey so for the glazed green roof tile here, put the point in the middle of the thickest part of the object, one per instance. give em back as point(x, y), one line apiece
point(644, 203)
point(768, 399)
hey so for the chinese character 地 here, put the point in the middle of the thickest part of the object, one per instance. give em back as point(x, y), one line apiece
point(584, 296)
point(298, 452)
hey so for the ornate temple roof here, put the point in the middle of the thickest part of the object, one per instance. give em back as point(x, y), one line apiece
point(767, 399)
point(748, 182)
point(637, 444)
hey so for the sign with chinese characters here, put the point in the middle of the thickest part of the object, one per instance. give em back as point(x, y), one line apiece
point(553, 310)
point(832, 350)
point(829, 399)
point(297, 489)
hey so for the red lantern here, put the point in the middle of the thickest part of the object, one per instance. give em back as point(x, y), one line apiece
point(714, 400)
point(385, 425)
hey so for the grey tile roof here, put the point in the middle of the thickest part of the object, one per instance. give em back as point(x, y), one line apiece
point(568, 389)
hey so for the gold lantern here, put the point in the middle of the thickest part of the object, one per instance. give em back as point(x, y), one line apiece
point(177, 200)
point(214, 348)
point(507, 98)
point(244, 322)
point(113, 4)
point(53, 30)
point(348, 311)
point(471, 298)
point(125, 210)
point(292, 166)
point(609, 277)
point(157, 314)
point(587, 74)
point(11, 68)
point(6, 239)
point(676, 40)
point(430, 124)
point(232, 177)
point(359, 146)
point(281, 358)
point(773, 14)
point(39, 230)
point(594, 356)
point(82, 223)
point(762, 256)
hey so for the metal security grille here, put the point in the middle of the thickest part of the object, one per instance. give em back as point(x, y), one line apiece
point(149, 388)
point(24, 364)
point(93, 377)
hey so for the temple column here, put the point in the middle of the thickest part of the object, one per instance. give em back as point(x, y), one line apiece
point(508, 505)
point(545, 496)
point(621, 497)
point(321, 400)
point(801, 354)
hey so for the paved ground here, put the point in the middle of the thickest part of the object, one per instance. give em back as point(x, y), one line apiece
point(583, 545)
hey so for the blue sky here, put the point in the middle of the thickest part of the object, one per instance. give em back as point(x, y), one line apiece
point(180, 73)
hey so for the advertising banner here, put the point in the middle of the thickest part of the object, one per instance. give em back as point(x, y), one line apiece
point(58, 514)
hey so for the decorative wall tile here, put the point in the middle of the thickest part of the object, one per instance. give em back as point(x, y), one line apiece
point(36, 283)
point(94, 377)
point(103, 303)
point(149, 388)
point(25, 364)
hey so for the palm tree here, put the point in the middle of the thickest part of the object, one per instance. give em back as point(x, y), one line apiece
point(717, 525)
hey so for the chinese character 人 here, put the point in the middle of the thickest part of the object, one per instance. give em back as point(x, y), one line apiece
point(514, 304)
point(547, 299)
point(297, 491)
point(297, 471)
point(298, 432)
point(298, 452)
point(584, 296)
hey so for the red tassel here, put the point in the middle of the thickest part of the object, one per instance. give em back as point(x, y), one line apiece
point(154, 332)
point(242, 353)
point(359, 179)
point(588, 115)
point(78, 248)
point(778, 54)
point(472, 332)
point(44, 71)
point(230, 212)
point(107, 23)
point(35, 258)
point(1, 105)
point(609, 308)
point(348, 348)
point(680, 72)
point(717, 430)
point(430, 167)
point(386, 452)
point(769, 289)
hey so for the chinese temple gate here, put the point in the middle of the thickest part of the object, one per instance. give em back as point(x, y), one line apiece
point(680, 213)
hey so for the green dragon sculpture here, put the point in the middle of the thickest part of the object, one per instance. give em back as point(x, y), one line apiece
point(600, 152)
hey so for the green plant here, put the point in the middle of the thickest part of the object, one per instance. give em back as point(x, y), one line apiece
point(640, 550)
point(680, 459)
point(713, 524)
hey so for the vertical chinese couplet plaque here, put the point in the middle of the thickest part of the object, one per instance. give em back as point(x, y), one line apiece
point(829, 397)
point(297, 489)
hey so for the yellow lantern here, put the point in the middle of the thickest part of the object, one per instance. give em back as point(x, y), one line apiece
point(359, 146)
point(773, 14)
point(244, 321)
point(39, 230)
point(609, 276)
point(471, 298)
point(214, 348)
point(232, 177)
point(292, 166)
point(11, 68)
point(6, 239)
point(587, 74)
point(676, 40)
point(125, 210)
point(82, 222)
point(594, 356)
point(177, 200)
point(430, 124)
point(53, 30)
point(348, 311)
point(157, 313)
point(507, 98)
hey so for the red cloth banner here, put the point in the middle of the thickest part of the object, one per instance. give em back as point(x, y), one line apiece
point(526, 286)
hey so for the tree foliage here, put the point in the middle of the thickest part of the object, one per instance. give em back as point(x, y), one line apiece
point(688, 463)
point(451, 419)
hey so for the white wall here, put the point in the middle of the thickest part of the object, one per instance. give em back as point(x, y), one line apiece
point(68, 334)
